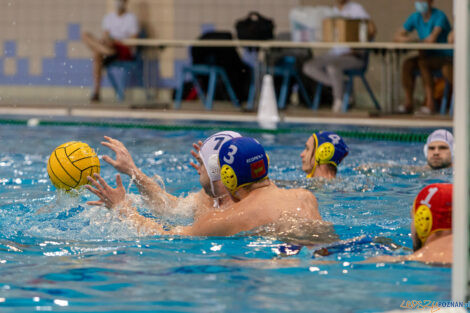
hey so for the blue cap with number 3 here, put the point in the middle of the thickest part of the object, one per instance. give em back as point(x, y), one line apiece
point(242, 161)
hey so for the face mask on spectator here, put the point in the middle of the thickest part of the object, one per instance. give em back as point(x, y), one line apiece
point(421, 6)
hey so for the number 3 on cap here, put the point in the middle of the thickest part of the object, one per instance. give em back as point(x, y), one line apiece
point(229, 158)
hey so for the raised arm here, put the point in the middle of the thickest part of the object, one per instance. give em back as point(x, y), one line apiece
point(115, 199)
point(152, 192)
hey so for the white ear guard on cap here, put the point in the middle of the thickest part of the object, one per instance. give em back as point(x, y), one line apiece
point(212, 167)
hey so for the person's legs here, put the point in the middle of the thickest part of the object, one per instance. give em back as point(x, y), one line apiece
point(448, 70)
point(96, 45)
point(316, 69)
point(100, 50)
point(335, 70)
point(97, 74)
point(426, 67)
point(328, 70)
point(408, 80)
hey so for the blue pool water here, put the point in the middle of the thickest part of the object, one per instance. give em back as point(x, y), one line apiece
point(57, 253)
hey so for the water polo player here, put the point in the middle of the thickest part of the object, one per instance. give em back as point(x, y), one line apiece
point(244, 172)
point(431, 227)
point(157, 198)
point(323, 152)
point(439, 149)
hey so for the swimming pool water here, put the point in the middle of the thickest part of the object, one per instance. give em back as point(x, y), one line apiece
point(57, 253)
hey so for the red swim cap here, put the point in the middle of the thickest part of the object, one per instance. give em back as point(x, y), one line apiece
point(433, 210)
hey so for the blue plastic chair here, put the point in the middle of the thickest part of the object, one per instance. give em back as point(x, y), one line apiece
point(445, 98)
point(127, 69)
point(217, 63)
point(288, 71)
point(214, 72)
point(451, 109)
point(351, 74)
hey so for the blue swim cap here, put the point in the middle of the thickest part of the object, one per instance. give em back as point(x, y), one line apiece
point(242, 161)
point(329, 148)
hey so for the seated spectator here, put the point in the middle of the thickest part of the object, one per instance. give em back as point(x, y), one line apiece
point(431, 227)
point(439, 149)
point(117, 26)
point(323, 152)
point(432, 26)
point(328, 69)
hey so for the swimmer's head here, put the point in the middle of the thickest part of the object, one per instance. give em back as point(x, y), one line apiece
point(209, 154)
point(431, 213)
point(323, 148)
point(243, 161)
point(439, 149)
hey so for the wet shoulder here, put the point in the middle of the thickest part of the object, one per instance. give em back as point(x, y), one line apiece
point(303, 194)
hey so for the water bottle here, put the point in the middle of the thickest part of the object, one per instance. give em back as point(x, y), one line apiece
point(363, 31)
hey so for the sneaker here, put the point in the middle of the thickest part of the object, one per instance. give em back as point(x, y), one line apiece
point(403, 109)
point(423, 111)
point(337, 105)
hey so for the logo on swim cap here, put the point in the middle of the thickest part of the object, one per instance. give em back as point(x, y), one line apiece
point(329, 148)
point(210, 151)
point(242, 161)
point(433, 210)
point(440, 135)
point(257, 169)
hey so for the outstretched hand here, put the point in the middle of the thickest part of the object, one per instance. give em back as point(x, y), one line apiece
point(123, 162)
point(195, 153)
point(110, 197)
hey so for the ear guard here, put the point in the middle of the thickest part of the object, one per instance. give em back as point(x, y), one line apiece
point(229, 177)
point(324, 153)
point(423, 222)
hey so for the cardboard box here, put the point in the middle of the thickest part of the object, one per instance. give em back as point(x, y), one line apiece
point(338, 29)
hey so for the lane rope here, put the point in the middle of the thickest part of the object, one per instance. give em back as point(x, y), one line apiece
point(359, 134)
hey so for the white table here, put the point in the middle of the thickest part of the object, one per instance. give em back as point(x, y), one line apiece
point(389, 51)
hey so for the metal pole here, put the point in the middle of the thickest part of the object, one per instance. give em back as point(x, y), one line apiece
point(389, 61)
point(397, 81)
point(460, 221)
point(383, 81)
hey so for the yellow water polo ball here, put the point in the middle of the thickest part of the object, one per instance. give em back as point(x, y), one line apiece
point(71, 163)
